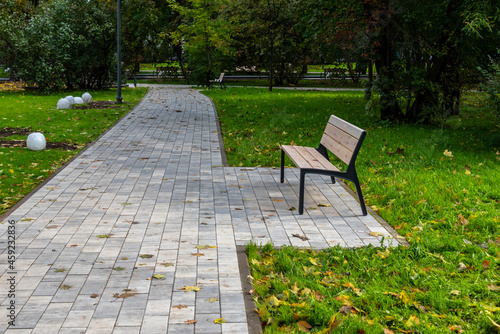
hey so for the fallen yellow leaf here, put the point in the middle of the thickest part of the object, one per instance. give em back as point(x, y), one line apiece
point(190, 288)
point(219, 321)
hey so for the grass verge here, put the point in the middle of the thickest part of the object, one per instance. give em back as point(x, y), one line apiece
point(21, 170)
point(436, 185)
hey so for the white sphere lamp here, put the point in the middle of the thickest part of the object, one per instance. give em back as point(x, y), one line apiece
point(63, 104)
point(36, 141)
point(87, 98)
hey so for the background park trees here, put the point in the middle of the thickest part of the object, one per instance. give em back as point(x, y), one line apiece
point(60, 43)
point(425, 52)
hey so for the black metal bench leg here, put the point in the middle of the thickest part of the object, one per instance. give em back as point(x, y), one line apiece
point(333, 179)
point(360, 196)
point(282, 175)
point(301, 192)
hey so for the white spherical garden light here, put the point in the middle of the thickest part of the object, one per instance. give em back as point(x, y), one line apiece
point(36, 141)
point(71, 99)
point(63, 104)
point(87, 98)
point(78, 100)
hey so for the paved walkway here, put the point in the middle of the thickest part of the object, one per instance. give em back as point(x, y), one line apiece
point(110, 243)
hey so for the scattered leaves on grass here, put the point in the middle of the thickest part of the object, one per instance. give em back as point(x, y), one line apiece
point(461, 221)
point(494, 323)
point(304, 326)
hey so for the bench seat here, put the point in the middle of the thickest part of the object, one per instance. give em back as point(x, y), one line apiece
point(308, 157)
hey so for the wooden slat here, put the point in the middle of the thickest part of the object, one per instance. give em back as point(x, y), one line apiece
point(325, 163)
point(346, 127)
point(314, 160)
point(340, 151)
point(341, 137)
point(307, 157)
point(295, 155)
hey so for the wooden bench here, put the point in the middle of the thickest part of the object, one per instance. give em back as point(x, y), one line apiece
point(219, 80)
point(335, 72)
point(166, 71)
point(340, 138)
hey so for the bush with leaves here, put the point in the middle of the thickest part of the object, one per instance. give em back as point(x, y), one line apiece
point(205, 36)
point(67, 44)
point(492, 85)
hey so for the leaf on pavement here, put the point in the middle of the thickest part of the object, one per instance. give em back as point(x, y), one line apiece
point(179, 306)
point(219, 321)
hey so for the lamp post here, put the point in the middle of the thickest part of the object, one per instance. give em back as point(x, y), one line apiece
point(119, 97)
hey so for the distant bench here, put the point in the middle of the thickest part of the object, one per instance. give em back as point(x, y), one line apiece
point(336, 72)
point(166, 70)
point(219, 80)
point(340, 138)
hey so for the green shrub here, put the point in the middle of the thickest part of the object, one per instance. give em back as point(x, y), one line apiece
point(67, 44)
point(492, 85)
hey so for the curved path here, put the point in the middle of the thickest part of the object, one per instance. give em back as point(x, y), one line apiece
point(114, 241)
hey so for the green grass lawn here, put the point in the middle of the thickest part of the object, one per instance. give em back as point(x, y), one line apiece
point(21, 170)
point(436, 185)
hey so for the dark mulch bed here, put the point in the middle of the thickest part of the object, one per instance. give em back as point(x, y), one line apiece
point(98, 105)
point(7, 132)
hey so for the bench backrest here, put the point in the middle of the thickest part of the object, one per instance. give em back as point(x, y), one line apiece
point(343, 139)
point(221, 77)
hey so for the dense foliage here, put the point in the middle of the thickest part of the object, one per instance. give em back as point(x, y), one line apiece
point(64, 44)
point(492, 86)
point(205, 35)
point(425, 52)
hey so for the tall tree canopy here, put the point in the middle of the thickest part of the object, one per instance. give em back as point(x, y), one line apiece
point(205, 35)
point(425, 51)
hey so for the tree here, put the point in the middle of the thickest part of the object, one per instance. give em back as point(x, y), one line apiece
point(273, 38)
point(205, 35)
point(13, 16)
point(425, 51)
point(66, 44)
